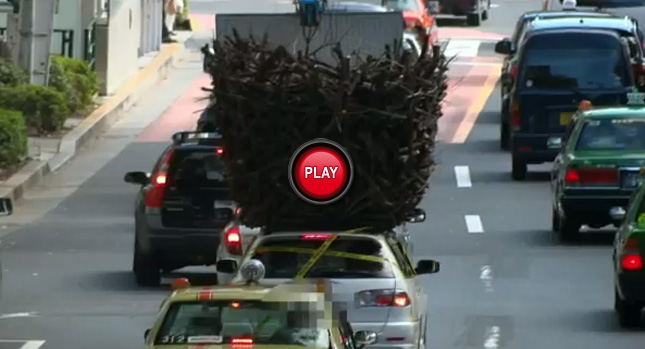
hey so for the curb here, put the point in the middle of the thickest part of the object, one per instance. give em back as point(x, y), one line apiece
point(33, 173)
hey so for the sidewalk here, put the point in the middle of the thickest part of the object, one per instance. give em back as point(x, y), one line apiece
point(49, 154)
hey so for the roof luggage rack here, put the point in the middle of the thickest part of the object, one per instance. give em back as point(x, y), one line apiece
point(197, 137)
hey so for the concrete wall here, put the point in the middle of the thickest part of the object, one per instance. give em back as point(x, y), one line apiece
point(117, 44)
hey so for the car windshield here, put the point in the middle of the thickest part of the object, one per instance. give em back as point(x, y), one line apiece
point(402, 5)
point(563, 62)
point(614, 134)
point(347, 257)
point(221, 322)
point(196, 167)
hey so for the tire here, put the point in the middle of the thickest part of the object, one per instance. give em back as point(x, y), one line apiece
point(504, 136)
point(518, 172)
point(555, 220)
point(146, 270)
point(569, 229)
point(629, 314)
point(474, 19)
point(485, 12)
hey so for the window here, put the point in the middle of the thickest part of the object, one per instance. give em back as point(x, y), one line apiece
point(197, 168)
point(612, 134)
point(283, 258)
point(217, 322)
point(402, 5)
point(569, 61)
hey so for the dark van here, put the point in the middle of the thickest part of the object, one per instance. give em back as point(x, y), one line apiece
point(557, 70)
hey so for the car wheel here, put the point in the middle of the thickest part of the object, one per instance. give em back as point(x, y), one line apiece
point(146, 270)
point(504, 136)
point(485, 12)
point(569, 229)
point(629, 314)
point(519, 169)
point(555, 220)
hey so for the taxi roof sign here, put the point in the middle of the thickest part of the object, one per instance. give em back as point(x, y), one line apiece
point(635, 98)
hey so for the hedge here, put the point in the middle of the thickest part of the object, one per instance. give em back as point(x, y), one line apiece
point(44, 108)
point(11, 74)
point(13, 138)
point(76, 80)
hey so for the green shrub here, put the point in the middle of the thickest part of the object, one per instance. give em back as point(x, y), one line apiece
point(44, 108)
point(11, 74)
point(76, 80)
point(13, 138)
point(185, 12)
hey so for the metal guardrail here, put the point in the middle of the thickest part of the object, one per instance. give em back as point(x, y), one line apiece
point(66, 40)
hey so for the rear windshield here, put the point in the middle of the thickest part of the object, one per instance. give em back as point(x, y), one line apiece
point(615, 134)
point(283, 258)
point(567, 61)
point(402, 5)
point(219, 322)
point(196, 167)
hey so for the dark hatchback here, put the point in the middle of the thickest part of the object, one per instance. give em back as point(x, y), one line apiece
point(557, 69)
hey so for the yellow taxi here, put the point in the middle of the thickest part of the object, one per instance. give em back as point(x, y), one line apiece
point(293, 315)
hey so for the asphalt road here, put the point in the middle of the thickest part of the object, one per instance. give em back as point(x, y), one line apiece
point(506, 281)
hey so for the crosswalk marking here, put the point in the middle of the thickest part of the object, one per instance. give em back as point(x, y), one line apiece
point(33, 345)
point(462, 48)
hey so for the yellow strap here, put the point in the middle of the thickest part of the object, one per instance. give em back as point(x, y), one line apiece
point(362, 257)
point(320, 251)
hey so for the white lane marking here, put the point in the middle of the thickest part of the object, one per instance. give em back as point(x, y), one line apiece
point(477, 64)
point(463, 177)
point(494, 5)
point(474, 224)
point(492, 337)
point(33, 345)
point(486, 277)
point(17, 315)
point(462, 48)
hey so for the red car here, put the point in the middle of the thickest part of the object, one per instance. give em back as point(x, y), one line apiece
point(418, 16)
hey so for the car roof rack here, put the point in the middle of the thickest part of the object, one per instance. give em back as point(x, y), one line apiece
point(196, 137)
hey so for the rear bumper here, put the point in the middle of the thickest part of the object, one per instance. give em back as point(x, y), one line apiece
point(409, 331)
point(632, 286)
point(592, 209)
point(532, 148)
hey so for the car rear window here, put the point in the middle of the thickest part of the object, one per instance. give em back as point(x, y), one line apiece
point(402, 5)
point(196, 167)
point(614, 134)
point(572, 60)
point(284, 257)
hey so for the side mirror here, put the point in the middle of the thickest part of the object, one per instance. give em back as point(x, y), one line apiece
point(136, 178)
point(364, 338)
point(433, 7)
point(504, 47)
point(617, 213)
point(427, 266)
point(226, 266)
point(417, 216)
point(6, 207)
point(146, 334)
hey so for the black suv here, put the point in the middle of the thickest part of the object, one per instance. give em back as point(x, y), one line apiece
point(181, 208)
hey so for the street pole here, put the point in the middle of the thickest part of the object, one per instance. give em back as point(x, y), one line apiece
point(36, 29)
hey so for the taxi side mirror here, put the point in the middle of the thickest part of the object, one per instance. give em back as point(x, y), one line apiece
point(417, 216)
point(6, 207)
point(504, 47)
point(146, 334)
point(136, 178)
point(226, 266)
point(364, 338)
point(427, 266)
point(617, 214)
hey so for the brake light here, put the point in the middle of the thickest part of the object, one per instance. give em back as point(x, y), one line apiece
point(315, 236)
point(632, 261)
point(638, 68)
point(240, 342)
point(219, 150)
point(154, 196)
point(513, 71)
point(238, 211)
point(593, 176)
point(233, 240)
point(382, 298)
point(515, 116)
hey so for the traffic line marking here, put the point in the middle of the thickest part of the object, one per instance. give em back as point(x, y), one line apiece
point(492, 337)
point(486, 277)
point(463, 177)
point(476, 107)
point(474, 224)
point(17, 315)
point(462, 48)
point(32, 345)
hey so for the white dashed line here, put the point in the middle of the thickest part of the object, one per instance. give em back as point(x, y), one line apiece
point(492, 337)
point(33, 345)
point(17, 315)
point(463, 177)
point(486, 278)
point(474, 224)
point(462, 48)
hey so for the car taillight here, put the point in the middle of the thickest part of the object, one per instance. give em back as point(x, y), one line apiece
point(638, 68)
point(233, 240)
point(382, 298)
point(219, 150)
point(241, 342)
point(513, 71)
point(154, 196)
point(515, 116)
point(631, 258)
point(238, 211)
point(315, 236)
point(591, 176)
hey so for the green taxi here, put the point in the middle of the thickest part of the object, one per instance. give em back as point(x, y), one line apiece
point(629, 249)
point(598, 166)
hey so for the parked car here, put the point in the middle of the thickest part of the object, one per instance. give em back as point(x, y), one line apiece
point(475, 11)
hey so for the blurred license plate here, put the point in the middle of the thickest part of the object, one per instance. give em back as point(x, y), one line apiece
point(631, 179)
point(565, 118)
